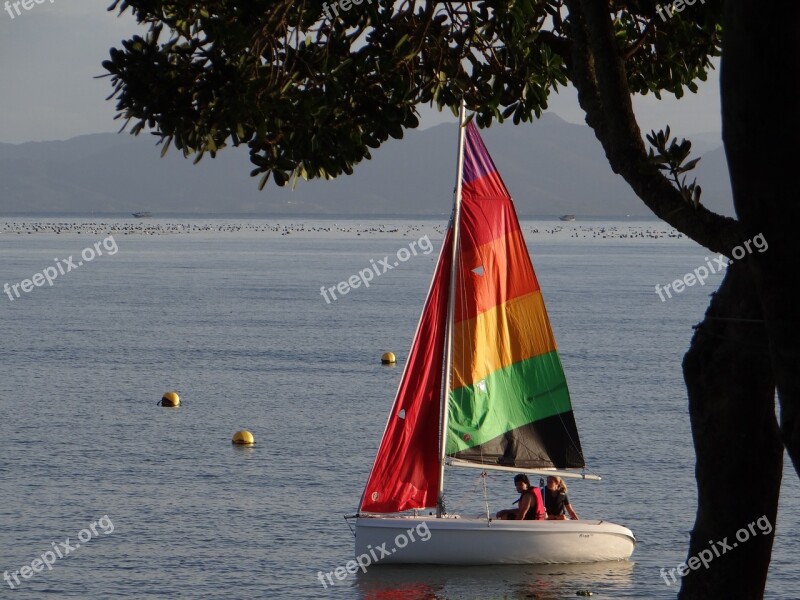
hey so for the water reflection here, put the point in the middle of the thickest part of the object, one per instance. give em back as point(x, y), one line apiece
point(542, 582)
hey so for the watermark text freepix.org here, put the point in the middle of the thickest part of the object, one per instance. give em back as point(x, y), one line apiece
point(60, 550)
point(49, 274)
point(366, 275)
point(345, 5)
point(374, 555)
point(675, 7)
point(13, 7)
point(705, 556)
point(700, 274)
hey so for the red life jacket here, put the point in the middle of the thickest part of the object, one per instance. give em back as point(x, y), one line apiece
point(536, 511)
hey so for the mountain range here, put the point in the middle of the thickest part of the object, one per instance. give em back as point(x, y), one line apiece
point(551, 167)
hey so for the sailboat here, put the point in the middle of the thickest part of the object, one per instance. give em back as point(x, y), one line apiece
point(484, 388)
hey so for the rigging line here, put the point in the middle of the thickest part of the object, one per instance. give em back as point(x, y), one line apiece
point(353, 531)
point(468, 494)
point(485, 477)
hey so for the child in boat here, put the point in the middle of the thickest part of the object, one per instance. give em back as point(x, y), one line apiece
point(555, 499)
point(531, 506)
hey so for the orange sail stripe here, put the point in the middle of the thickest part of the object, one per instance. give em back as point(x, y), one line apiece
point(512, 332)
point(493, 274)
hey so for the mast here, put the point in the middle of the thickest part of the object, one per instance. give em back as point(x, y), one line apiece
point(451, 303)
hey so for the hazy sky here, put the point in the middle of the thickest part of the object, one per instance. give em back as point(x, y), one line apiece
point(50, 55)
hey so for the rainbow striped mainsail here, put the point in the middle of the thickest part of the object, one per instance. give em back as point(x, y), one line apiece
point(508, 401)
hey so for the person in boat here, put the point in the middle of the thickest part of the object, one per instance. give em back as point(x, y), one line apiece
point(531, 506)
point(556, 501)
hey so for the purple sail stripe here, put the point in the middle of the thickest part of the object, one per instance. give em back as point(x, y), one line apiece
point(477, 161)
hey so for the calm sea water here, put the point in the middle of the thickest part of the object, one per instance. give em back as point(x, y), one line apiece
point(235, 322)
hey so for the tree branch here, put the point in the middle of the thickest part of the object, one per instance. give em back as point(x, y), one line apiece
point(640, 42)
point(598, 73)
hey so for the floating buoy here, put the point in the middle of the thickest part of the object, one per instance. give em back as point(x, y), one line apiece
point(243, 437)
point(388, 358)
point(171, 400)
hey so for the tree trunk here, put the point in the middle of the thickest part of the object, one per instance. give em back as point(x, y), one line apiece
point(761, 126)
point(737, 441)
point(729, 367)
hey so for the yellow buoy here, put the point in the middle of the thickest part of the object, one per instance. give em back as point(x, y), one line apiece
point(243, 437)
point(171, 400)
point(388, 358)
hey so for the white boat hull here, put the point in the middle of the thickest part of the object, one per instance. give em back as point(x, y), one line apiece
point(463, 541)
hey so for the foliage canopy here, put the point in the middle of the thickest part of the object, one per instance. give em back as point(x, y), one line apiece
point(310, 96)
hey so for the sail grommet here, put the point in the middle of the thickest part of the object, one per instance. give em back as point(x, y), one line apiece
point(170, 400)
point(243, 438)
point(388, 358)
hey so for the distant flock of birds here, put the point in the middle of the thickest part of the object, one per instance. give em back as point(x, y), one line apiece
point(156, 228)
point(614, 232)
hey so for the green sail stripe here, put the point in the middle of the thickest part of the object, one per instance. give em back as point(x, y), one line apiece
point(505, 400)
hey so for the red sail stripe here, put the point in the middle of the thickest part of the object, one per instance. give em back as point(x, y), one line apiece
point(487, 212)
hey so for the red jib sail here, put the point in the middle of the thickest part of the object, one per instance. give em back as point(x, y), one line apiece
point(406, 471)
